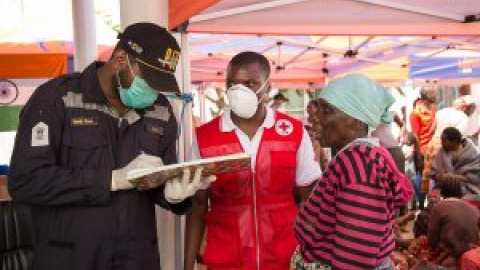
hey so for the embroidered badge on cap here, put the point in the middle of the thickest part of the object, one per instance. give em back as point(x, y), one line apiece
point(284, 127)
point(40, 134)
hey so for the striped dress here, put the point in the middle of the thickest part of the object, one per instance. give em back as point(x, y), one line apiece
point(348, 220)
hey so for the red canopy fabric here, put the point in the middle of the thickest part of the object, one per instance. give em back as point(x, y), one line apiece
point(181, 10)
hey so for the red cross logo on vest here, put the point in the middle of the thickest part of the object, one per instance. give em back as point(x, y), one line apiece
point(284, 127)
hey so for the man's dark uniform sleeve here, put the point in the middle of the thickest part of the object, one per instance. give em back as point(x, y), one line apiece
point(169, 156)
point(36, 176)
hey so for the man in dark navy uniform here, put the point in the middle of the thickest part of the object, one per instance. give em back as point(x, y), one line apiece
point(79, 136)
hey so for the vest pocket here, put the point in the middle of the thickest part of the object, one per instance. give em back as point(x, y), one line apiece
point(279, 249)
point(282, 172)
point(223, 241)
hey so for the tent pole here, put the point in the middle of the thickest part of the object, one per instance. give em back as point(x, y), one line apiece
point(169, 226)
point(155, 11)
point(84, 33)
point(201, 97)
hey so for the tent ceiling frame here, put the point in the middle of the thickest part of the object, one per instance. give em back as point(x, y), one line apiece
point(295, 58)
point(413, 9)
point(460, 42)
point(364, 43)
point(411, 43)
point(207, 41)
point(307, 62)
point(382, 49)
point(435, 68)
point(430, 55)
point(268, 48)
point(329, 50)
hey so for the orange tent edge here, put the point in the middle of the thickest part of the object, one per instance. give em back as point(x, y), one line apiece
point(35, 65)
point(182, 10)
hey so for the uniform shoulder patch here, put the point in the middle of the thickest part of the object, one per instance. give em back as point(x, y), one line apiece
point(40, 135)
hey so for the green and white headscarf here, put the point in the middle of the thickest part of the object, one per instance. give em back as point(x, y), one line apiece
point(361, 98)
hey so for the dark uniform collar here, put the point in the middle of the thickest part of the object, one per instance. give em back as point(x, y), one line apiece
point(90, 84)
point(92, 92)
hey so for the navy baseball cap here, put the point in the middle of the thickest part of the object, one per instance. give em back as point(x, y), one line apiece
point(156, 51)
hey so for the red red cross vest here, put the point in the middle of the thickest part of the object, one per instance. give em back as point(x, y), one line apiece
point(250, 222)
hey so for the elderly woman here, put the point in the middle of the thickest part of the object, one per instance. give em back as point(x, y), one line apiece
point(457, 160)
point(347, 223)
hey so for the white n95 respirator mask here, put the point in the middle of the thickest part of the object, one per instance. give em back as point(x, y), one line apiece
point(243, 101)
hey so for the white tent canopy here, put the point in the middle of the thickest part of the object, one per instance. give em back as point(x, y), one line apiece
point(329, 17)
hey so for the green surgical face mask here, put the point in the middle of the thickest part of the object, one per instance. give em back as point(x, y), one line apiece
point(139, 95)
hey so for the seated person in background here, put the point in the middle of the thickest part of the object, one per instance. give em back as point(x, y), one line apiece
point(418, 247)
point(447, 117)
point(420, 226)
point(452, 233)
point(458, 159)
point(453, 228)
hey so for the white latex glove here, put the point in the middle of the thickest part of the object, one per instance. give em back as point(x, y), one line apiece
point(178, 189)
point(119, 177)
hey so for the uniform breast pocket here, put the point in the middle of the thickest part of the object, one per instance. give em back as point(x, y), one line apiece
point(85, 147)
point(152, 136)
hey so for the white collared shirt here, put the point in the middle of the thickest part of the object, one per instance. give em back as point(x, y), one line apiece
point(308, 170)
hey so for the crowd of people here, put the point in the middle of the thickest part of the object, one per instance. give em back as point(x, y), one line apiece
point(446, 161)
point(297, 207)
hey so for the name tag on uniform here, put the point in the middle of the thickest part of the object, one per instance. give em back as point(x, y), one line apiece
point(83, 122)
point(154, 129)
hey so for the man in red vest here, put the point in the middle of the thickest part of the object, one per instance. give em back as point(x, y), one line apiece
point(248, 215)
